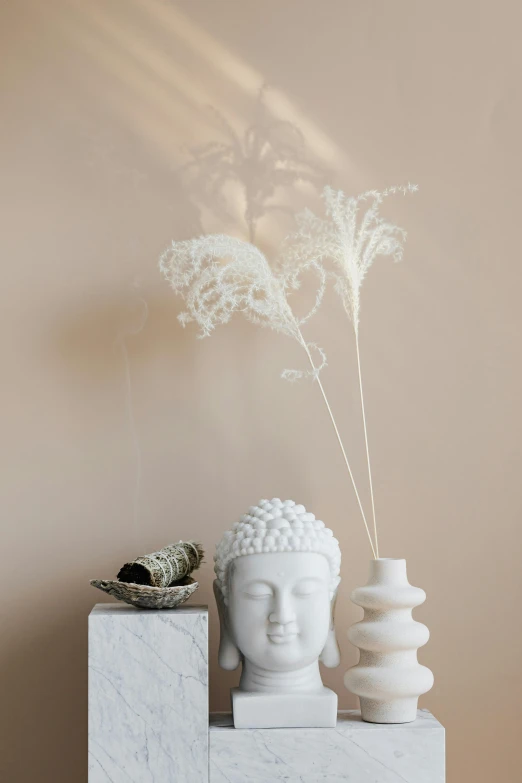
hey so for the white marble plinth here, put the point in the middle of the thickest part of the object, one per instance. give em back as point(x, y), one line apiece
point(148, 694)
point(354, 751)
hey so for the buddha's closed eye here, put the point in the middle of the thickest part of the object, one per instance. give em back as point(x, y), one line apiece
point(258, 590)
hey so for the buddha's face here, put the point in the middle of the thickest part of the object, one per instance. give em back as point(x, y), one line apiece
point(279, 608)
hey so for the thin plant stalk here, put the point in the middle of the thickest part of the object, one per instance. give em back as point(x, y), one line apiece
point(376, 551)
point(339, 440)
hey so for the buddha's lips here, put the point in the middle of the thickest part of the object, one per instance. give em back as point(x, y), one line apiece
point(282, 638)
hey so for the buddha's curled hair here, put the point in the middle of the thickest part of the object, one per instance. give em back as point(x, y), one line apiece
point(276, 526)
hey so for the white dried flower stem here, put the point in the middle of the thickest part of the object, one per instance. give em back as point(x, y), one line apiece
point(376, 550)
point(339, 440)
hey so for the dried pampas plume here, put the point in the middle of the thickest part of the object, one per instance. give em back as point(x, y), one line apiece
point(218, 275)
point(350, 241)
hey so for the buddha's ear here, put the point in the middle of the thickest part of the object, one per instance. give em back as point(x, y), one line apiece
point(331, 655)
point(229, 656)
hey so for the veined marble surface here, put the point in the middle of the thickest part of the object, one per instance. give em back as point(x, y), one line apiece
point(148, 694)
point(353, 752)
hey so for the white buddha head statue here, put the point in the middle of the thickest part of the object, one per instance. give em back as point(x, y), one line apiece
point(277, 576)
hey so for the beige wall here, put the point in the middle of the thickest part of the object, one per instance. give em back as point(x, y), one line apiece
point(117, 441)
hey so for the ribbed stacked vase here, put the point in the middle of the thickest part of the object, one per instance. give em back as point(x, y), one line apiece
point(388, 679)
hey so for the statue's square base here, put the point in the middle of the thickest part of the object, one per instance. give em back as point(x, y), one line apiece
point(284, 710)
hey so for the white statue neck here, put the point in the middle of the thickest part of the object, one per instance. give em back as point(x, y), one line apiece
point(255, 678)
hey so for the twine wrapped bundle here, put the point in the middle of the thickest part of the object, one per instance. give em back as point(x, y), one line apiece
point(166, 567)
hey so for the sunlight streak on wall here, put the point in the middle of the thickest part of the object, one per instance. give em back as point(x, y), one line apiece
point(159, 82)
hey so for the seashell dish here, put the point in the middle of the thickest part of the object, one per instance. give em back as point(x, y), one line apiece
point(148, 597)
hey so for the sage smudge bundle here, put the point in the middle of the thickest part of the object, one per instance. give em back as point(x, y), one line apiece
point(164, 568)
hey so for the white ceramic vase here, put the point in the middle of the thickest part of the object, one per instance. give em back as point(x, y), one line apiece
point(388, 678)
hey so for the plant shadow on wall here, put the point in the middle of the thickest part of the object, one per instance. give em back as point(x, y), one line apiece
point(257, 168)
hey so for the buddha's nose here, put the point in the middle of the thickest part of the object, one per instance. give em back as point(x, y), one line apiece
point(283, 611)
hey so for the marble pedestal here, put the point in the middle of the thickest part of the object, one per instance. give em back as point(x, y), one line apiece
point(148, 694)
point(149, 722)
point(353, 752)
